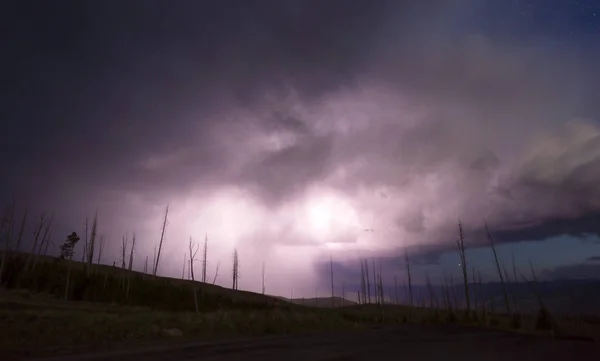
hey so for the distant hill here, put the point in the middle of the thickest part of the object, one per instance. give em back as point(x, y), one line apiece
point(320, 301)
point(560, 296)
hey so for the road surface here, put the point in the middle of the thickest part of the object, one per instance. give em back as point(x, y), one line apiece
point(412, 343)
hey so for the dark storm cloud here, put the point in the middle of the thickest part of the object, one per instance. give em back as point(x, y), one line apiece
point(126, 107)
point(116, 84)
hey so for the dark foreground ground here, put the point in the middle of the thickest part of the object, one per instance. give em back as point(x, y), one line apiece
point(391, 343)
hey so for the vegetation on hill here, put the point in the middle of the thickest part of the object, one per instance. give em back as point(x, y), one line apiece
point(58, 301)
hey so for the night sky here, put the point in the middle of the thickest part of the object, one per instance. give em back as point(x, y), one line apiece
point(292, 130)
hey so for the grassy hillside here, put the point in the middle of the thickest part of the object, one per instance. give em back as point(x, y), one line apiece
point(111, 284)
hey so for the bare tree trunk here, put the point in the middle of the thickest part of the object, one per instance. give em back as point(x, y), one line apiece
point(44, 238)
point(396, 290)
point(481, 294)
point(454, 297)
point(366, 263)
point(36, 235)
point(162, 237)
point(48, 241)
point(216, 273)
point(7, 222)
point(475, 297)
point(381, 293)
point(193, 252)
point(123, 251)
point(21, 229)
point(85, 241)
point(507, 303)
point(263, 278)
point(184, 262)
point(431, 292)
point(375, 286)
point(68, 284)
point(363, 287)
point(204, 258)
point(410, 293)
point(130, 253)
point(92, 244)
point(154, 260)
point(100, 249)
point(235, 269)
point(380, 278)
point(332, 289)
point(129, 268)
point(514, 268)
point(463, 263)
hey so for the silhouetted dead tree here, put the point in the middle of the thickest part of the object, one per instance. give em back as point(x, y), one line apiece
point(123, 251)
point(396, 291)
point(100, 248)
point(460, 243)
point(6, 228)
point(21, 230)
point(129, 274)
point(332, 287)
point(160, 244)
point(363, 282)
point(36, 236)
point(366, 266)
point(491, 239)
point(183, 268)
point(263, 278)
point(410, 293)
point(193, 249)
point(85, 241)
point(216, 273)
point(236, 269)
point(92, 244)
point(43, 241)
point(130, 267)
point(204, 258)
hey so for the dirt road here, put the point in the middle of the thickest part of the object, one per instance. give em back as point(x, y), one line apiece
point(377, 344)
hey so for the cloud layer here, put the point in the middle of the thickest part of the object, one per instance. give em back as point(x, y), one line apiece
point(375, 128)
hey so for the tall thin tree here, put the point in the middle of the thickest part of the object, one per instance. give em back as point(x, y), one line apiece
point(410, 292)
point(332, 289)
point(366, 263)
point(45, 236)
point(235, 273)
point(460, 243)
point(263, 278)
point(100, 248)
point(193, 249)
point(85, 241)
point(491, 239)
point(21, 229)
point(92, 244)
point(130, 267)
point(160, 244)
point(123, 251)
point(204, 258)
point(396, 290)
point(36, 236)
